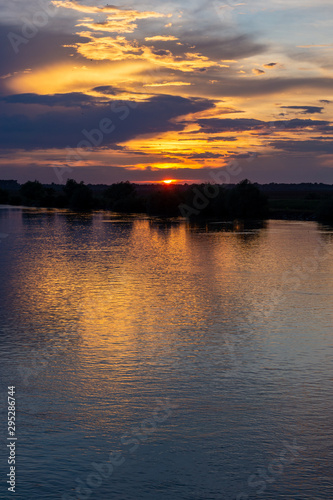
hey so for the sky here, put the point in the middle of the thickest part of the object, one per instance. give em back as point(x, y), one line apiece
point(145, 91)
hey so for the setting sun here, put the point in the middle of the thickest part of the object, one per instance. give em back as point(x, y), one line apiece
point(169, 181)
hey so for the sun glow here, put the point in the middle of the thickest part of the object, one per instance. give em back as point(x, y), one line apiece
point(169, 181)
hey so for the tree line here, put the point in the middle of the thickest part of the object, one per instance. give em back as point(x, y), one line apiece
point(242, 201)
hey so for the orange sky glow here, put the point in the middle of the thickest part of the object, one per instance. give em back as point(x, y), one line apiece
point(140, 94)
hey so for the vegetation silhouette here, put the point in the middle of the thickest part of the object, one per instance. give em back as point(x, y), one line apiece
point(244, 201)
point(79, 196)
point(122, 197)
point(164, 202)
point(32, 193)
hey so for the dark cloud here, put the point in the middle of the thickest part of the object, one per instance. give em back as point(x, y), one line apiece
point(306, 110)
point(59, 129)
point(222, 138)
point(216, 125)
point(270, 65)
point(161, 52)
point(217, 47)
point(325, 101)
point(206, 155)
point(247, 87)
point(69, 100)
point(298, 123)
point(45, 48)
point(310, 146)
point(107, 89)
point(242, 156)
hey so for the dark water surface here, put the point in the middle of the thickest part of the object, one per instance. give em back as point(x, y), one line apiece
point(199, 357)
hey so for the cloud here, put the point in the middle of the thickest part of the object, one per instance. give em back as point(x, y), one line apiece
point(221, 138)
point(305, 109)
point(59, 129)
point(257, 71)
point(297, 123)
point(217, 125)
point(246, 87)
point(269, 65)
point(46, 48)
point(69, 100)
point(120, 49)
point(206, 155)
point(325, 101)
point(107, 89)
point(223, 48)
point(310, 146)
point(118, 20)
point(160, 38)
point(319, 46)
point(167, 84)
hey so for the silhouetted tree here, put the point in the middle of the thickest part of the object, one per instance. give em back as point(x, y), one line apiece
point(70, 187)
point(119, 196)
point(32, 192)
point(246, 201)
point(82, 198)
point(78, 195)
point(165, 202)
point(207, 199)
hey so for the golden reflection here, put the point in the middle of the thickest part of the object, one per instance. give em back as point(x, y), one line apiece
point(117, 295)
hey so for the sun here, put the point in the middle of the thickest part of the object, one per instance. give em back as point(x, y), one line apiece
point(169, 181)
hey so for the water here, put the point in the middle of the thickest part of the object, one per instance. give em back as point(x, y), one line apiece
point(199, 357)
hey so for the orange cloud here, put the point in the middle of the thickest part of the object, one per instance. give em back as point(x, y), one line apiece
point(167, 84)
point(118, 20)
point(119, 48)
point(160, 38)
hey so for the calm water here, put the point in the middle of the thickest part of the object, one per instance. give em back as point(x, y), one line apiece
point(199, 356)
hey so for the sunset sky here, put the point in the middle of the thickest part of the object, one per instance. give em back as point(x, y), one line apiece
point(152, 90)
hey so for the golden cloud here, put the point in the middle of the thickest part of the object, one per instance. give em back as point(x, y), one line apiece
point(118, 20)
point(160, 38)
point(167, 84)
point(119, 48)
